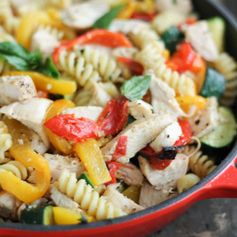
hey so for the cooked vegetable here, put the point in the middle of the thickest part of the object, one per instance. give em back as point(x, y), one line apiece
point(135, 67)
point(172, 37)
point(216, 26)
point(214, 84)
point(108, 17)
point(92, 158)
point(37, 215)
point(136, 88)
point(224, 133)
point(132, 192)
point(86, 177)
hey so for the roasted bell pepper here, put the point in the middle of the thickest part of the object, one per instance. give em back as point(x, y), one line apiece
point(121, 147)
point(143, 16)
point(93, 160)
point(135, 67)
point(133, 192)
point(187, 133)
point(99, 36)
point(71, 128)
point(145, 6)
point(114, 116)
point(113, 166)
point(187, 102)
point(64, 216)
point(48, 84)
point(24, 191)
point(59, 143)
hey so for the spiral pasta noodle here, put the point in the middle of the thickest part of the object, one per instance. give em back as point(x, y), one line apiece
point(88, 199)
point(199, 164)
point(152, 60)
point(56, 33)
point(16, 168)
point(226, 65)
point(186, 182)
point(5, 141)
point(76, 66)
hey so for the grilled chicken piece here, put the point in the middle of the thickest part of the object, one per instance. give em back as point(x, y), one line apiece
point(140, 109)
point(8, 205)
point(84, 15)
point(163, 99)
point(139, 134)
point(16, 88)
point(31, 113)
point(150, 196)
point(201, 39)
point(167, 137)
point(58, 163)
point(181, 6)
point(120, 201)
point(130, 174)
point(62, 200)
point(167, 178)
point(206, 120)
point(90, 112)
point(44, 42)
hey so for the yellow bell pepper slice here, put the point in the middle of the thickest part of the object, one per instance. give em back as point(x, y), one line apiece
point(187, 102)
point(28, 24)
point(65, 216)
point(128, 11)
point(146, 6)
point(92, 158)
point(59, 143)
point(48, 84)
point(24, 191)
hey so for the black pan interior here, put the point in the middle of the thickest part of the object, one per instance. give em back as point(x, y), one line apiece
point(206, 8)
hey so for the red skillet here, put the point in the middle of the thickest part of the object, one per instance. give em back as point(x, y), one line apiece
point(222, 183)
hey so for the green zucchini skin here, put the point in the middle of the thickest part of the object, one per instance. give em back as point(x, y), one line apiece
point(85, 176)
point(172, 37)
point(224, 134)
point(217, 28)
point(37, 215)
point(214, 84)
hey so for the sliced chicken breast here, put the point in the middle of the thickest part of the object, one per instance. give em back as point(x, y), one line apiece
point(167, 178)
point(150, 196)
point(205, 120)
point(90, 112)
point(139, 109)
point(31, 113)
point(120, 201)
point(16, 88)
point(139, 134)
point(163, 98)
point(201, 39)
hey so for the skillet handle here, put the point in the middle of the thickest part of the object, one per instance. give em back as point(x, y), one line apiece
point(223, 185)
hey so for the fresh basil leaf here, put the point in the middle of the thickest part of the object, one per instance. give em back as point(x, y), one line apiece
point(16, 62)
point(14, 49)
point(34, 60)
point(50, 69)
point(136, 88)
point(105, 21)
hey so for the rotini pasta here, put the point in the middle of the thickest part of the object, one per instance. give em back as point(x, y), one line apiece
point(16, 168)
point(199, 163)
point(152, 60)
point(76, 66)
point(56, 33)
point(88, 199)
point(226, 65)
point(186, 182)
point(5, 141)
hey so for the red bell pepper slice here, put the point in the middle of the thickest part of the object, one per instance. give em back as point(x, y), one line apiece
point(98, 36)
point(144, 16)
point(187, 133)
point(135, 67)
point(153, 157)
point(114, 116)
point(121, 147)
point(71, 128)
point(183, 59)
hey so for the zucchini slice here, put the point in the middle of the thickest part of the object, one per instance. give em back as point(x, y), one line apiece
point(86, 177)
point(216, 26)
point(214, 84)
point(37, 215)
point(225, 133)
